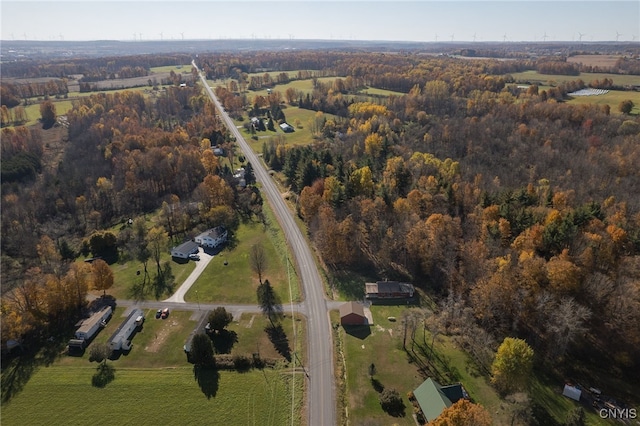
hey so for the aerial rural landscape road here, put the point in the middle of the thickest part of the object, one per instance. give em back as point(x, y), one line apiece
point(321, 394)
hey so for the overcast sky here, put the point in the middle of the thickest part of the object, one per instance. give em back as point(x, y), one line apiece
point(421, 20)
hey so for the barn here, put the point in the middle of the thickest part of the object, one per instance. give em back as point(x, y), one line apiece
point(352, 313)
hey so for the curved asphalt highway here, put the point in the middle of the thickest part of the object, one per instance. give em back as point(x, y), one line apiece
point(321, 394)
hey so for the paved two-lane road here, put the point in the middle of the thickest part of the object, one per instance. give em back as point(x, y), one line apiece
point(321, 394)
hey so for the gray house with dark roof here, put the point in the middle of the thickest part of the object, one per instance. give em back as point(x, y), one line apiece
point(184, 250)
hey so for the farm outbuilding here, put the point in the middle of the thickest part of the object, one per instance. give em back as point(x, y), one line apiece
point(352, 313)
point(389, 290)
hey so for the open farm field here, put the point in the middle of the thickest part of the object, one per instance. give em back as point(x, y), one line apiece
point(65, 395)
point(178, 69)
point(33, 110)
point(546, 79)
point(594, 60)
point(612, 98)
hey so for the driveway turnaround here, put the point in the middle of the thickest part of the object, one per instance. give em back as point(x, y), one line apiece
point(201, 264)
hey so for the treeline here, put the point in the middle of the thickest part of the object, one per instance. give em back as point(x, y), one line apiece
point(12, 94)
point(125, 156)
point(89, 67)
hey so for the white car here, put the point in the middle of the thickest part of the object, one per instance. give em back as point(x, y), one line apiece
point(194, 257)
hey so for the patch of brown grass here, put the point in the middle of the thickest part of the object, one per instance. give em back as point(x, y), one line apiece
point(601, 61)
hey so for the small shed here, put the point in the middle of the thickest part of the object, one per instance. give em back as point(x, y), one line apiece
point(352, 313)
point(572, 392)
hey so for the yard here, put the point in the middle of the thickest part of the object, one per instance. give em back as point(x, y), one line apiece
point(405, 370)
point(235, 282)
point(154, 373)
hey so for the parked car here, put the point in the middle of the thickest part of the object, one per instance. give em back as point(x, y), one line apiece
point(165, 313)
point(194, 257)
point(158, 313)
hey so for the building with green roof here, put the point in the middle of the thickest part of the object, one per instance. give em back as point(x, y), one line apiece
point(434, 398)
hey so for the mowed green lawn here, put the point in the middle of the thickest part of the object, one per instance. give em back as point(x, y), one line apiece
point(59, 395)
point(125, 275)
point(236, 282)
point(253, 339)
point(382, 347)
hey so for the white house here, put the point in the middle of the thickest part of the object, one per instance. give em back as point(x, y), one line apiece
point(213, 237)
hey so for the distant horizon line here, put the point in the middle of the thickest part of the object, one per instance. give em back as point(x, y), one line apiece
point(319, 39)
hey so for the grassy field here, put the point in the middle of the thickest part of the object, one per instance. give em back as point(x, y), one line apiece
point(535, 77)
point(254, 339)
point(382, 346)
point(155, 369)
point(64, 395)
point(178, 69)
point(125, 275)
point(301, 136)
point(613, 99)
point(235, 282)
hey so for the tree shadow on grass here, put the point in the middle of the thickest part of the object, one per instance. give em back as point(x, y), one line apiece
point(105, 375)
point(207, 378)
point(377, 385)
point(223, 341)
point(280, 341)
point(20, 363)
point(15, 374)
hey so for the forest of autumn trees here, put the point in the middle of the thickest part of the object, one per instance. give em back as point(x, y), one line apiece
point(515, 204)
point(511, 206)
point(126, 156)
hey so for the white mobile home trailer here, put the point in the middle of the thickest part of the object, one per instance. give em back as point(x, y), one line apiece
point(121, 339)
point(91, 325)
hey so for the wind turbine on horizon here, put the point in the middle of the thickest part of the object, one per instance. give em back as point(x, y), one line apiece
point(474, 37)
point(182, 35)
point(504, 38)
point(452, 37)
point(161, 38)
point(545, 36)
point(580, 35)
point(618, 36)
point(436, 37)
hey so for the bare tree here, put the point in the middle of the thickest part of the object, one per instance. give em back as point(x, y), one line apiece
point(566, 322)
point(258, 261)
